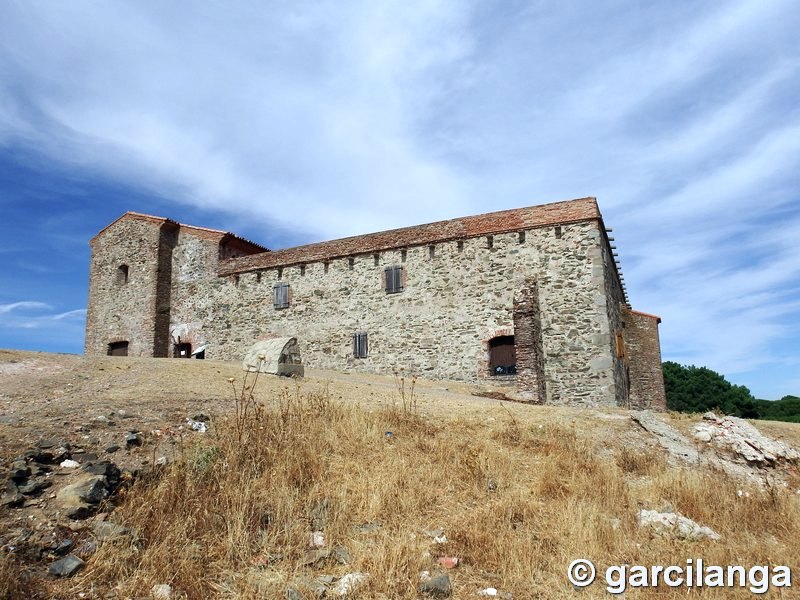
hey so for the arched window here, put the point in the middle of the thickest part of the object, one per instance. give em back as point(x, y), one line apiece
point(122, 274)
point(502, 355)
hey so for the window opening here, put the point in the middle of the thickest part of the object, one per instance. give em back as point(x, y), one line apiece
point(502, 355)
point(280, 293)
point(394, 279)
point(360, 345)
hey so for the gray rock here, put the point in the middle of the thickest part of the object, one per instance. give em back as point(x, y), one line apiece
point(365, 528)
point(437, 586)
point(13, 500)
point(675, 525)
point(340, 555)
point(292, 593)
point(348, 584)
point(79, 512)
point(319, 515)
point(66, 567)
point(108, 530)
point(161, 591)
point(314, 556)
point(19, 470)
point(133, 439)
point(314, 586)
point(62, 547)
point(79, 499)
point(112, 448)
point(31, 488)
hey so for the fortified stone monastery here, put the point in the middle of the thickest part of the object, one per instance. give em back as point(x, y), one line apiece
point(530, 297)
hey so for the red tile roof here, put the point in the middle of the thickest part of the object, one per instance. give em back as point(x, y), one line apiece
point(644, 314)
point(506, 221)
point(223, 236)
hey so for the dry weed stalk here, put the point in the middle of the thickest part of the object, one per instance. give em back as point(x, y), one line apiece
point(231, 518)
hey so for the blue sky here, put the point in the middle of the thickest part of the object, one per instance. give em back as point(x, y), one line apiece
point(291, 122)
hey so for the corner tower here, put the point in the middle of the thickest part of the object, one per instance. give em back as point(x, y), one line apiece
point(129, 287)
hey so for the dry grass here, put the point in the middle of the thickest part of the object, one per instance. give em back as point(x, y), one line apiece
point(517, 501)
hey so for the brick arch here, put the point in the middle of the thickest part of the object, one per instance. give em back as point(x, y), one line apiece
point(488, 335)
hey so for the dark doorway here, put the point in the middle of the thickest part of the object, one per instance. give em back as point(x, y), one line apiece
point(118, 349)
point(502, 355)
point(182, 350)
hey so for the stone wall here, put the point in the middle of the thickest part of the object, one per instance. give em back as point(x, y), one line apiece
point(458, 295)
point(553, 285)
point(118, 310)
point(643, 350)
point(615, 302)
point(528, 341)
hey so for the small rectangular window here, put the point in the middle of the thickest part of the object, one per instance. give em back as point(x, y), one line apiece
point(394, 279)
point(490, 241)
point(351, 263)
point(302, 269)
point(460, 246)
point(403, 255)
point(280, 292)
point(326, 266)
point(558, 231)
point(377, 258)
point(521, 239)
point(258, 277)
point(360, 345)
point(432, 251)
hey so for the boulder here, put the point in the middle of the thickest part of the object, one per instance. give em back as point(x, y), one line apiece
point(675, 525)
point(437, 586)
point(279, 356)
point(66, 567)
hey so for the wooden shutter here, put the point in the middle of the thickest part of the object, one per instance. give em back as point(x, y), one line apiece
point(281, 295)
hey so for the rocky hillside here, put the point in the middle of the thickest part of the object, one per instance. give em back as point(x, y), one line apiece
point(136, 478)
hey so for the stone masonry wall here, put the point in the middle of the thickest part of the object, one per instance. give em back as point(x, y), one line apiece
point(643, 350)
point(614, 300)
point(459, 294)
point(528, 341)
point(194, 275)
point(120, 311)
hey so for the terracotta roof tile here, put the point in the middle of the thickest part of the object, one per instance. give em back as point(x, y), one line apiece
point(217, 232)
point(570, 211)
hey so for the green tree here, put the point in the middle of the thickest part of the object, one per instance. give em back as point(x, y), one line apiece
point(699, 389)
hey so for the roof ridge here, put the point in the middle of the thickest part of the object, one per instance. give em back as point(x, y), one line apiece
point(503, 221)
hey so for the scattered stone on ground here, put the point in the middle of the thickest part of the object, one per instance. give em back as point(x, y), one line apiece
point(66, 567)
point(348, 584)
point(436, 586)
point(448, 562)
point(675, 525)
point(161, 591)
point(494, 593)
point(319, 515)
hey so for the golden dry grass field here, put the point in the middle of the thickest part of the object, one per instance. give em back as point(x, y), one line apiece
point(519, 491)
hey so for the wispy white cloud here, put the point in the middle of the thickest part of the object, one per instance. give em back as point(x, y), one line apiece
point(23, 305)
point(29, 314)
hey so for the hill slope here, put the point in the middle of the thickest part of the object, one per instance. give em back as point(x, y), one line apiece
point(362, 464)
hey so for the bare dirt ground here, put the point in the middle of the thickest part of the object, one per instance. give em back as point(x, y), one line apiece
point(94, 402)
